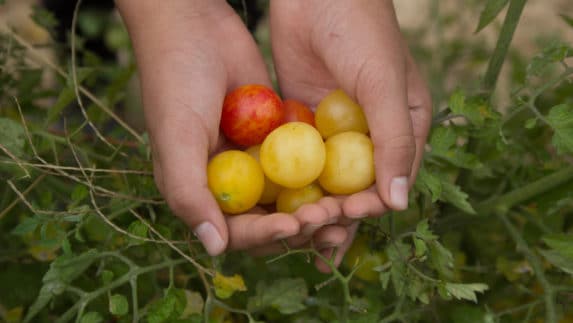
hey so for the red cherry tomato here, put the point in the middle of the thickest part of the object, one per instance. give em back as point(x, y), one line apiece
point(298, 111)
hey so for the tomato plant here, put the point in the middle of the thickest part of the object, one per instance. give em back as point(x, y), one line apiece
point(86, 236)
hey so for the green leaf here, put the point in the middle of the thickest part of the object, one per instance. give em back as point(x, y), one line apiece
point(442, 139)
point(398, 252)
point(568, 19)
point(91, 317)
point(465, 291)
point(63, 270)
point(555, 52)
point(530, 123)
point(118, 305)
point(490, 12)
point(226, 286)
point(468, 314)
point(162, 310)
point(12, 137)
point(26, 226)
point(423, 231)
point(285, 295)
point(385, 278)
point(420, 247)
point(561, 119)
point(429, 184)
point(558, 260)
point(441, 259)
point(138, 229)
point(66, 96)
point(561, 243)
point(454, 195)
point(107, 276)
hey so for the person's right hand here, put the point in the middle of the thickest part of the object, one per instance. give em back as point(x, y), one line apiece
point(190, 53)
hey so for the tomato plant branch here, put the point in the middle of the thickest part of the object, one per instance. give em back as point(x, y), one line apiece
point(536, 264)
point(505, 36)
point(507, 201)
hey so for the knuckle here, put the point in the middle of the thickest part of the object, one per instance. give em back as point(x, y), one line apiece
point(404, 144)
point(180, 201)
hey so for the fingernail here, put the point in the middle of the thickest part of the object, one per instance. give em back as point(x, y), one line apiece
point(309, 229)
point(399, 193)
point(210, 238)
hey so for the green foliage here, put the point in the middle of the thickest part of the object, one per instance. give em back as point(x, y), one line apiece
point(87, 237)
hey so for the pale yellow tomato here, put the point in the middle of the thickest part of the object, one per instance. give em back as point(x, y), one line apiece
point(293, 155)
point(359, 254)
point(290, 199)
point(349, 164)
point(337, 113)
point(236, 180)
point(271, 190)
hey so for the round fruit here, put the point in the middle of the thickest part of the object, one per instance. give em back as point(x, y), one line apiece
point(349, 166)
point(293, 155)
point(271, 190)
point(297, 111)
point(359, 254)
point(337, 113)
point(236, 180)
point(290, 199)
point(250, 113)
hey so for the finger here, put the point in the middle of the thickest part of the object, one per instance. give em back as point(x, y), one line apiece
point(420, 103)
point(329, 237)
point(363, 204)
point(314, 216)
point(367, 59)
point(251, 230)
point(340, 252)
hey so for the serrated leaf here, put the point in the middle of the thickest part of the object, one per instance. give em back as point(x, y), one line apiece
point(442, 139)
point(561, 243)
point(62, 271)
point(490, 12)
point(465, 291)
point(423, 231)
point(162, 310)
point(561, 119)
point(384, 279)
point(454, 195)
point(441, 259)
point(118, 305)
point(226, 286)
point(475, 110)
point(429, 184)
point(558, 260)
point(285, 295)
point(12, 137)
point(91, 317)
point(555, 52)
point(420, 247)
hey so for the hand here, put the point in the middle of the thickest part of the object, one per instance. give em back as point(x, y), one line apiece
point(190, 53)
point(356, 45)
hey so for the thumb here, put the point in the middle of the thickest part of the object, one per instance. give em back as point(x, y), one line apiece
point(368, 61)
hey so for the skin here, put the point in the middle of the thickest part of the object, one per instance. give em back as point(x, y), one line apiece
point(190, 53)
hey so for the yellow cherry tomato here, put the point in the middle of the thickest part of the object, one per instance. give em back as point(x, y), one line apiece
point(337, 113)
point(236, 180)
point(359, 254)
point(290, 199)
point(271, 190)
point(293, 155)
point(349, 164)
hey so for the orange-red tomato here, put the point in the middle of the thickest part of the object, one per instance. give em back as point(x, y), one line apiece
point(290, 199)
point(298, 111)
point(236, 180)
point(250, 113)
point(337, 113)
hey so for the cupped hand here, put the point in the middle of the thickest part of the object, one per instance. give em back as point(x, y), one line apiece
point(356, 45)
point(190, 53)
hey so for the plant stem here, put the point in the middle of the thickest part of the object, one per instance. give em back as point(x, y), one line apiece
point(507, 201)
point(533, 259)
point(502, 46)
